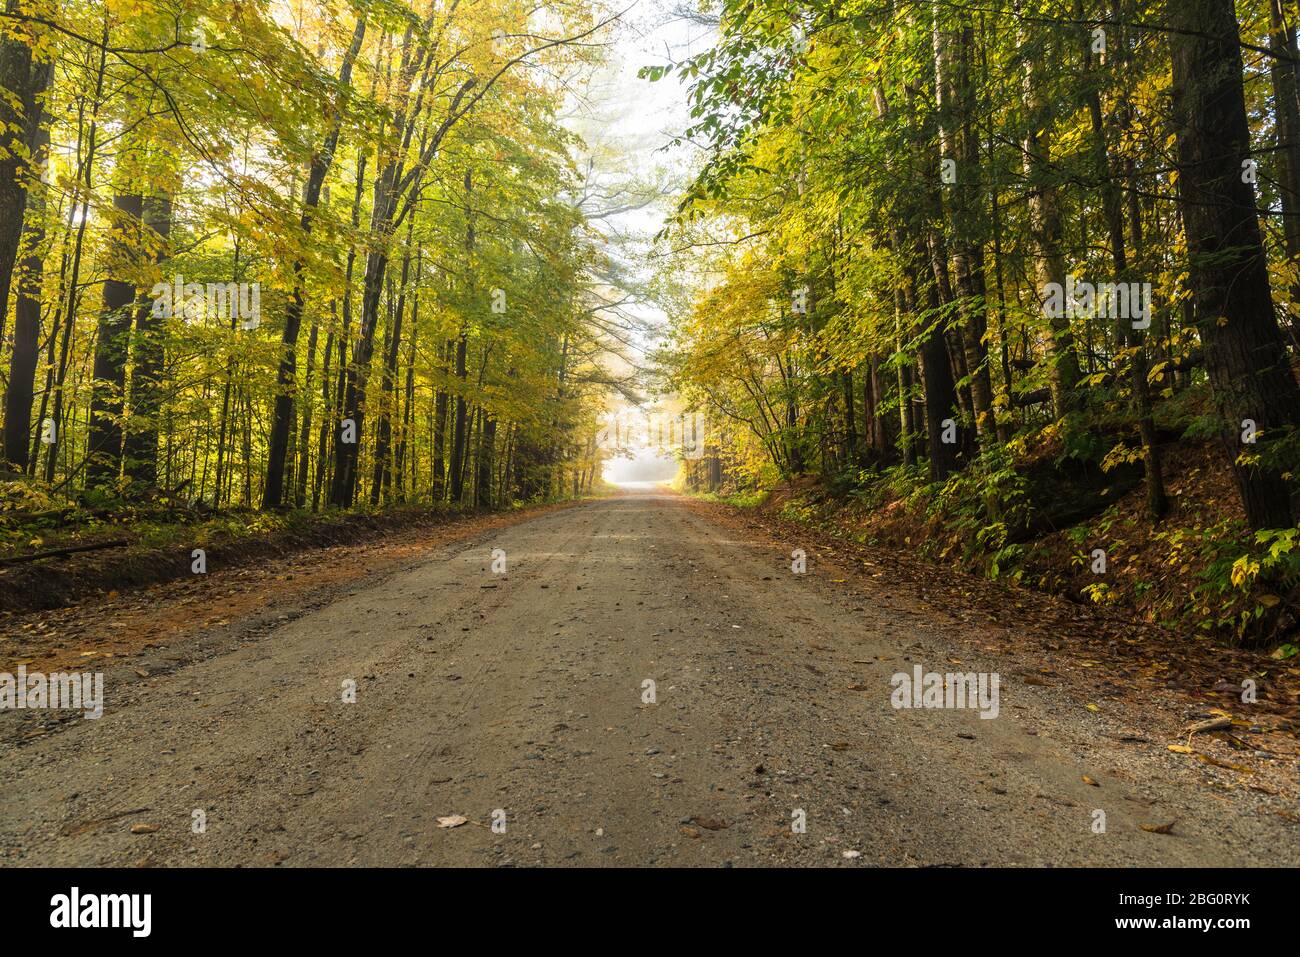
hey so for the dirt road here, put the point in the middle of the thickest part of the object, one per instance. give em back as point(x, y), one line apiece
point(525, 694)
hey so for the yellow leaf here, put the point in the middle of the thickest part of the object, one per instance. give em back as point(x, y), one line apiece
point(1224, 764)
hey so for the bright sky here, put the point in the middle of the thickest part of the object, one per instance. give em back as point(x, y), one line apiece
point(635, 118)
point(628, 124)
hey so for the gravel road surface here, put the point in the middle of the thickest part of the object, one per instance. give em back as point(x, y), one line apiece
point(520, 701)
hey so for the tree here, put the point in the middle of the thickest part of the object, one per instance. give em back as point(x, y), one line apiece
point(1245, 356)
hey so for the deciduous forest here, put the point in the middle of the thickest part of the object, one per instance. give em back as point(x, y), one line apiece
point(303, 254)
point(1016, 281)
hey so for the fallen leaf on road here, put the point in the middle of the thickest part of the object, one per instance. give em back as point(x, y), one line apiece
point(1181, 749)
point(710, 823)
point(1214, 724)
point(452, 820)
point(1088, 780)
point(145, 828)
point(1224, 764)
point(1158, 828)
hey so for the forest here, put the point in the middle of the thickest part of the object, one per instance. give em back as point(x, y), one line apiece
point(1017, 281)
point(265, 255)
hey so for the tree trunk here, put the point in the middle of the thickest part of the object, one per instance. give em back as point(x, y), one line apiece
point(1244, 354)
point(287, 377)
point(388, 382)
point(958, 140)
point(457, 476)
point(304, 436)
point(19, 390)
point(458, 446)
point(906, 428)
point(346, 454)
point(940, 391)
point(1286, 110)
point(104, 452)
point(1046, 233)
point(486, 459)
point(23, 81)
point(440, 431)
point(140, 447)
point(1157, 501)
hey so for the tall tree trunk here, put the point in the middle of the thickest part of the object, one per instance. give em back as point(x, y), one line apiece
point(140, 447)
point(225, 424)
point(1286, 110)
point(20, 388)
point(457, 469)
point(388, 381)
point(458, 445)
point(104, 452)
point(304, 436)
point(72, 289)
point(958, 140)
point(287, 376)
point(440, 428)
point(1244, 353)
point(1132, 339)
point(940, 391)
point(22, 83)
point(408, 410)
point(906, 427)
point(1046, 233)
point(851, 450)
point(486, 461)
point(327, 417)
